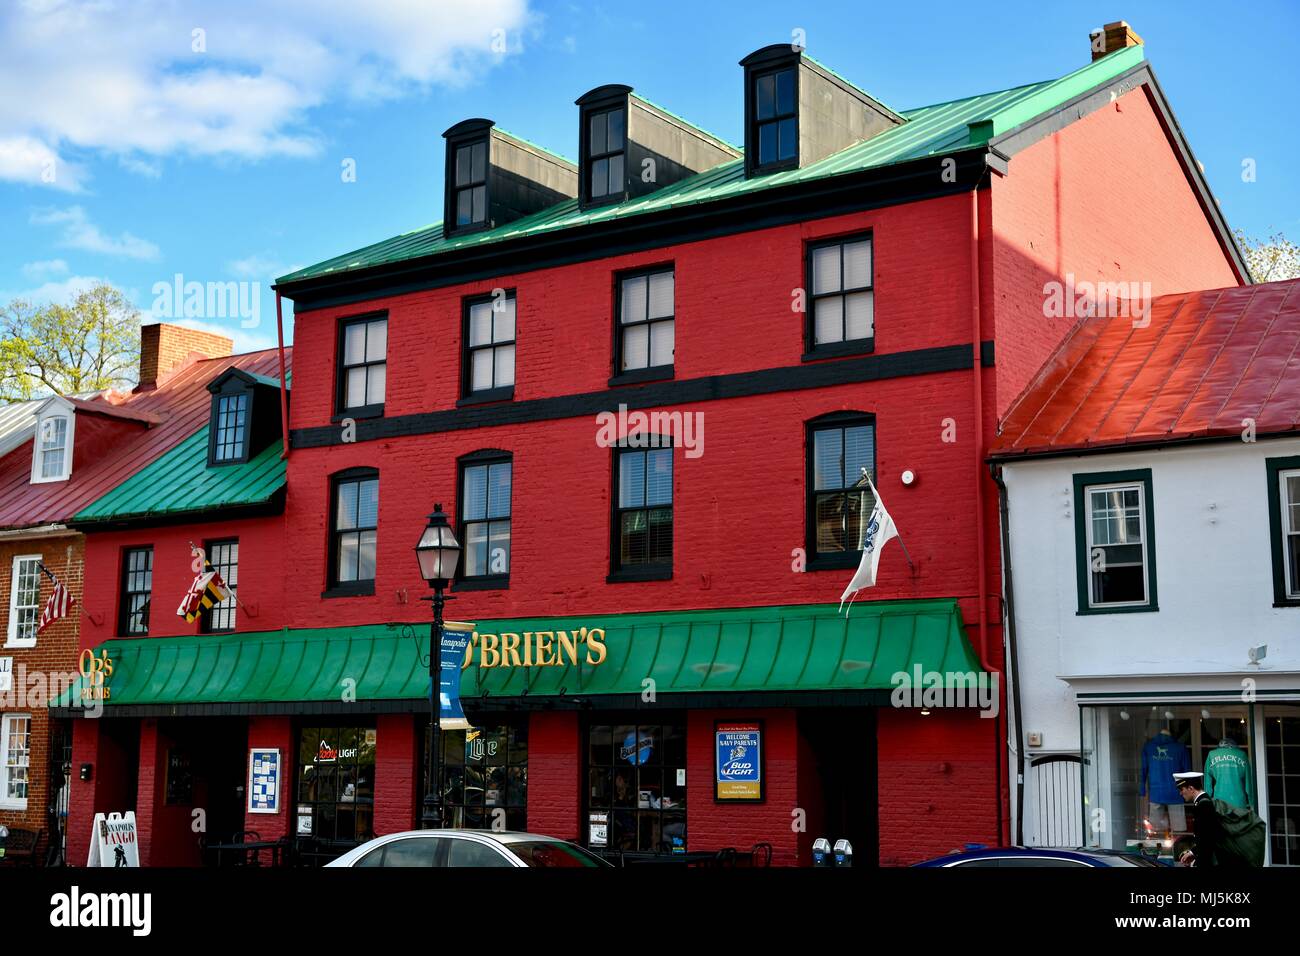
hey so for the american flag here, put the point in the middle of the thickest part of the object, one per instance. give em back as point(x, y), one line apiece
point(58, 605)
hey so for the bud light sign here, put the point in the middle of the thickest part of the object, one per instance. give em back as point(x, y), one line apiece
point(739, 762)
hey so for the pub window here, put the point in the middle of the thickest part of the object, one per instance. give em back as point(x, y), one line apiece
point(775, 124)
point(1284, 528)
point(606, 141)
point(15, 752)
point(485, 517)
point(643, 511)
point(842, 306)
point(24, 600)
point(840, 447)
point(52, 457)
point(484, 776)
point(470, 187)
point(355, 529)
point(1115, 542)
point(636, 786)
point(223, 557)
point(363, 366)
point(336, 787)
point(230, 442)
point(490, 345)
point(137, 590)
point(646, 320)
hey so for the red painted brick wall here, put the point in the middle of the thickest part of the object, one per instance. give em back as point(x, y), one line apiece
point(554, 768)
point(1105, 199)
point(274, 732)
point(396, 761)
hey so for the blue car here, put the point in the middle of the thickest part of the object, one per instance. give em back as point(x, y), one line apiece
point(1008, 857)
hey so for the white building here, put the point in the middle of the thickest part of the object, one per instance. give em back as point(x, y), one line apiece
point(1151, 480)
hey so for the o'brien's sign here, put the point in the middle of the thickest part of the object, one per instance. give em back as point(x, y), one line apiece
point(537, 648)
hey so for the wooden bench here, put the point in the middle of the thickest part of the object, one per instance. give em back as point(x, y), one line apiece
point(21, 846)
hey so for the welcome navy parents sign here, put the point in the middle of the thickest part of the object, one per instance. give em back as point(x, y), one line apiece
point(739, 761)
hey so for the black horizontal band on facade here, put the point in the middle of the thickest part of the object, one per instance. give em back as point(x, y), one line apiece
point(927, 178)
point(716, 700)
point(849, 371)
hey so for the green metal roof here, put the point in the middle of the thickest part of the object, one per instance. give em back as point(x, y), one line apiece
point(793, 648)
point(181, 481)
point(929, 131)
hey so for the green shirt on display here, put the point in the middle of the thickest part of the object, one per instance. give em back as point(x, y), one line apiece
point(1228, 776)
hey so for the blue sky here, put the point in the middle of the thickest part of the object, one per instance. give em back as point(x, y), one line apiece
point(209, 140)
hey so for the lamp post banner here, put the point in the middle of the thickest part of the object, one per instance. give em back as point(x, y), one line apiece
point(454, 643)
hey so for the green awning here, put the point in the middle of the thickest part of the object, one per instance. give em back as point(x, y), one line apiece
point(743, 650)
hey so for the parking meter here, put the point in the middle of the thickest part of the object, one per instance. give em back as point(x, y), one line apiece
point(843, 853)
point(821, 851)
point(4, 838)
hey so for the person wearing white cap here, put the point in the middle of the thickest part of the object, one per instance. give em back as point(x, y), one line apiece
point(1209, 830)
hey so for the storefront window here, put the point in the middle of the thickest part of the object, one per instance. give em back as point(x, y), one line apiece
point(485, 777)
point(336, 784)
point(636, 787)
point(1130, 754)
point(1282, 758)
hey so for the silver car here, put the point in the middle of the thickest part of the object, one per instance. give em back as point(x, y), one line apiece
point(478, 848)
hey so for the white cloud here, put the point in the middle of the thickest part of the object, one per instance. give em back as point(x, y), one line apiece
point(45, 269)
point(261, 267)
point(80, 233)
point(63, 292)
point(150, 78)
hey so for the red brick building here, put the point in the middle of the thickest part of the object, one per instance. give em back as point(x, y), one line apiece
point(858, 288)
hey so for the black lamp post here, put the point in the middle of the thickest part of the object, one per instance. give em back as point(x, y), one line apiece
point(438, 552)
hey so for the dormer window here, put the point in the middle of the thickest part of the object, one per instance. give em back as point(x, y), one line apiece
point(470, 189)
point(607, 140)
point(245, 417)
point(776, 119)
point(231, 438)
point(52, 448)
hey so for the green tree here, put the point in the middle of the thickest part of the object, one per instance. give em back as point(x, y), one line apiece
point(1271, 259)
point(91, 344)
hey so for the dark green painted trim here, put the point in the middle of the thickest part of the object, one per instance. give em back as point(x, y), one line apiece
point(1082, 564)
point(1273, 468)
point(850, 371)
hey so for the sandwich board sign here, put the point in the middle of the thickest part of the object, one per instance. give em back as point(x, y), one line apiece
point(114, 841)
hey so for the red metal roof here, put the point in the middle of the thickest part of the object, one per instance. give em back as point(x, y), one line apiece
point(180, 405)
point(1207, 361)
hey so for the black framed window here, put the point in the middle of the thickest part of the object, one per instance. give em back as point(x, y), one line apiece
point(484, 775)
point(839, 500)
point(636, 785)
point(1115, 553)
point(223, 557)
point(606, 142)
point(485, 517)
point(841, 293)
point(469, 189)
point(230, 439)
point(336, 785)
point(643, 510)
point(1284, 528)
point(490, 345)
point(354, 529)
point(363, 364)
point(646, 320)
point(776, 118)
point(137, 590)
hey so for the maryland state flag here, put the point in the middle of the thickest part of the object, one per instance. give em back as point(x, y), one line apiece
point(208, 589)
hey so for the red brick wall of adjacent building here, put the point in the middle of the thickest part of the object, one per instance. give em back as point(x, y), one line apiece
point(1105, 199)
point(39, 671)
point(555, 796)
point(397, 760)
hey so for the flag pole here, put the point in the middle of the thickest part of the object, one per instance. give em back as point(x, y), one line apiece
point(866, 476)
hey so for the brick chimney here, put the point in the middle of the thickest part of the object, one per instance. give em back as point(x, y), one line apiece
point(166, 348)
point(1112, 37)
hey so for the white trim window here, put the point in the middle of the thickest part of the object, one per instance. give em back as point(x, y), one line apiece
point(15, 758)
point(1289, 492)
point(1118, 575)
point(24, 600)
point(52, 449)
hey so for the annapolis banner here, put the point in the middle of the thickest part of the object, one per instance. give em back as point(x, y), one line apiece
point(454, 643)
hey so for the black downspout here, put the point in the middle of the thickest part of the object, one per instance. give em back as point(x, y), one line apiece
point(1013, 658)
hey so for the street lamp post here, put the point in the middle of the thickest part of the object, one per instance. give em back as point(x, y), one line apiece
point(438, 553)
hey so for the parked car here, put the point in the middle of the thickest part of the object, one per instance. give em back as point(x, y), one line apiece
point(1008, 857)
point(459, 848)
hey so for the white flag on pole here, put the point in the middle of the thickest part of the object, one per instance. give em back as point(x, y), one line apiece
point(880, 529)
